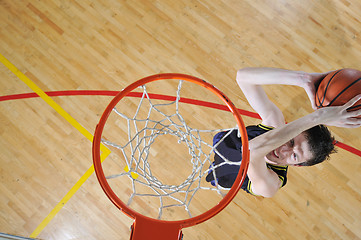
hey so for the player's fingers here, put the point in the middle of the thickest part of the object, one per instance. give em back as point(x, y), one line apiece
point(348, 125)
point(355, 114)
point(353, 101)
point(353, 120)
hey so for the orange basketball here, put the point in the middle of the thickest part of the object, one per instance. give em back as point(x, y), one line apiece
point(338, 87)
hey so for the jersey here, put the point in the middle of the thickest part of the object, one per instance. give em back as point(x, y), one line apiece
point(231, 149)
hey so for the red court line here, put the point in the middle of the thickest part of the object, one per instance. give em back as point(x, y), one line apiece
point(132, 94)
point(152, 96)
point(348, 148)
point(59, 93)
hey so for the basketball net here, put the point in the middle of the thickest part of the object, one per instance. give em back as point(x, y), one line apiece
point(153, 119)
point(136, 153)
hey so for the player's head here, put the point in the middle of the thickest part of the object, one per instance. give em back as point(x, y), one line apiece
point(308, 148)
point(321, 144)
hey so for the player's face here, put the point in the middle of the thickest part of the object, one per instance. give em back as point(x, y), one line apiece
point(294, 152)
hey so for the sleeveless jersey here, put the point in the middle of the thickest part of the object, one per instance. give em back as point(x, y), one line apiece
point(231, 149)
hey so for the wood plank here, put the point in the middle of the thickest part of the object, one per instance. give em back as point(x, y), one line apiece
point(106, 45)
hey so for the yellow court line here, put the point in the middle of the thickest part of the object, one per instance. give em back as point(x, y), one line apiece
point(73, 122)
point(65, 199)
point(45, 97)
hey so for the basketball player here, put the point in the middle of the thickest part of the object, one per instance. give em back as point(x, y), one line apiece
point(273, 144)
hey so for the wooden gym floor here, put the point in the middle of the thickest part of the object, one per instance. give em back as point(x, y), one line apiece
point(48, 189)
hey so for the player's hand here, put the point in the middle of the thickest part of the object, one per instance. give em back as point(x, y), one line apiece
point(312, 84)
point(339, 116)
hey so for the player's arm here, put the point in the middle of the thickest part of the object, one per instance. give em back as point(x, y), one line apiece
point(251, 79)
point(264, 181)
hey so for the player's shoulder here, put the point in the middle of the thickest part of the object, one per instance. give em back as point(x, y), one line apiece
point(256, 130)
point(274, 119)
point(265, 127)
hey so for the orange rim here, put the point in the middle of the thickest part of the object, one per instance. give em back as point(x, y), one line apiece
point(179, 223)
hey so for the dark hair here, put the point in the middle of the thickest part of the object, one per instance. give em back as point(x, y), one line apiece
point(321, 144)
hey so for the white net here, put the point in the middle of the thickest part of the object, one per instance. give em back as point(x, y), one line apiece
point(157, 147)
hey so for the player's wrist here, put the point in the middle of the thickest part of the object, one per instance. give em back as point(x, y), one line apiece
point(305, 80)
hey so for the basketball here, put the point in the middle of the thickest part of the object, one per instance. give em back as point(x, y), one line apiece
point(338, 87)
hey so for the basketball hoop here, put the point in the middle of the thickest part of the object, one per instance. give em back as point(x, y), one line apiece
point(137, 166)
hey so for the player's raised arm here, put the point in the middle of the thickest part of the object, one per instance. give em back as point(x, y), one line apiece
point(251, 79)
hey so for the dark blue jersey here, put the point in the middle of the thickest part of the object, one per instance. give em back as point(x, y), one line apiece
point(231, 149)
